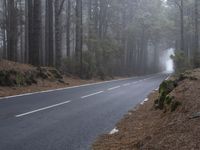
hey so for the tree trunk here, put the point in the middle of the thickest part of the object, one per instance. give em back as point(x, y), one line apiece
point(68, 27)
point(79, 35)
point(21, 58)
point(49, 42)
point(4, 30)
point(35, 38)
point(11, 31)
point(182, 27)
point(196, 49)
point(58, 38)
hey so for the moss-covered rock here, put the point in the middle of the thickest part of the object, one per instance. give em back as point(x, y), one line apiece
point(165, 88)
point(16, 78)
point(21, 75)
point(56, 74)
point(49, 73)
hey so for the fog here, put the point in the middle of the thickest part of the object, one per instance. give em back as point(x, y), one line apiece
point(99, 38)
point(166, 61)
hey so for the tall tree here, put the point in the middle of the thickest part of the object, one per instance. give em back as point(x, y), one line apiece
point(49, 37)
point(196, 52)
point(79, 33)
point(35, 37)
point(181, 7)
point(68, 26)
point(4, 29)
point(58, 39)
point(11, 30)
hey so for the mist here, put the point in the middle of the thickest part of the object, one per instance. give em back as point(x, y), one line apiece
point(96, 38)
point(166, 61)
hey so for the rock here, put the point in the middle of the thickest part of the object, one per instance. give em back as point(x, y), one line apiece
point(195, 115)
point(17, 77)
point(56, 73)
point(62, 81)
point(165, 88)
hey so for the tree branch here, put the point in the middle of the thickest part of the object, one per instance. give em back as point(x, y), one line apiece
point(61, 7)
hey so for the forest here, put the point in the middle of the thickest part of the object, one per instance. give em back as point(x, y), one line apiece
point(100, 37)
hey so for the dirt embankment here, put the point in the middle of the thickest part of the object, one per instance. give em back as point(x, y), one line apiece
point(169, 120)
point(17, 78)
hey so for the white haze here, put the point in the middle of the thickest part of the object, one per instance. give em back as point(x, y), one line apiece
point(167, 62)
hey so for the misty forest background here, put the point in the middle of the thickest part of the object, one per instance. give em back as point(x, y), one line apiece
point(100, 37)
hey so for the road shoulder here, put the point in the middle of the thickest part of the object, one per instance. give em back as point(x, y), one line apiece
point(148, 128)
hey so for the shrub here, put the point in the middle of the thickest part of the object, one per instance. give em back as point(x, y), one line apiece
point(20, 80)
point(181, 62)
point(174, 105)
point(88, 70)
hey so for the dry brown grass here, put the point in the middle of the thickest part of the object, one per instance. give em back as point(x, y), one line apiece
point(41, 84)
point(150, 129)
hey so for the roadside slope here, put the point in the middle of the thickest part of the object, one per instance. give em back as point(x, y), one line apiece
point(150, 128)
point(17, 78)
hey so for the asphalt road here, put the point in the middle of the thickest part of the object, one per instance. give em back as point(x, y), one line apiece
point(70, 119)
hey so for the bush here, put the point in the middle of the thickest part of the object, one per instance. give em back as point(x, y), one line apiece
point(70, 66)
point(20, 79)
point(196, 60)
point(181, 62)
point(102, 60)
point(88, 70)
point(16, 78)
point(88, 66)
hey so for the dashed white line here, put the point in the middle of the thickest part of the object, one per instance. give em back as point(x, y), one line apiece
point(92, 94)
point(41, 109)
point(142, 80)
point(135, 82)
point(66, 88)
point(116, 87)
point(127, 84)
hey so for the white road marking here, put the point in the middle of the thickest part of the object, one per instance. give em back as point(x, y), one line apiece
point(60, 89)
point(113, 131)
point(167, 78)
point(116, 87)
point(142, 80)
point(72, 87)
point(127, 84)
point(135, 82)
point(145, 100)
point(92, 94)
point(41, 109)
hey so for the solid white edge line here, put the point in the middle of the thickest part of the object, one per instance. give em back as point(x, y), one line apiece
point(92, 94)
point(116, 87)
point(167, 78)
point(72, 87)
point(41, 109)
point(60, 89)
point(127, 84)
